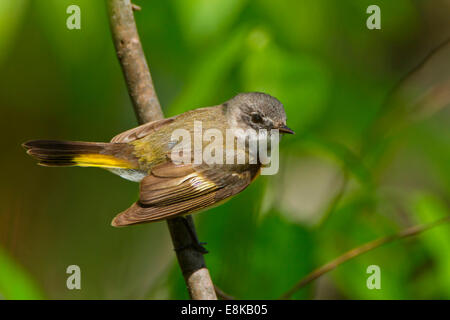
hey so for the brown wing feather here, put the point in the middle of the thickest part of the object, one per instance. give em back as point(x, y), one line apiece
point(172, 190)
point(139, 214)
point(141, 131)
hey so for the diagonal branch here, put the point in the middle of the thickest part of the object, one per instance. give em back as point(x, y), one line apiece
point(132, 60)
point(412, 231)
point(147, 108)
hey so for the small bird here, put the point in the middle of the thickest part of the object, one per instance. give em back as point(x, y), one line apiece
point(143, 154)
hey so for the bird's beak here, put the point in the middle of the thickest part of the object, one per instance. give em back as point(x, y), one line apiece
point(286, 129)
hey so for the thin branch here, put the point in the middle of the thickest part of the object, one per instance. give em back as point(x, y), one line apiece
point(412, 231)
point(135, 7)
point(132, 60)
point(147, 108)
point(192, 263)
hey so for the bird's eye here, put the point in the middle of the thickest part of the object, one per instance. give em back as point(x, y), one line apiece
point(256, 118)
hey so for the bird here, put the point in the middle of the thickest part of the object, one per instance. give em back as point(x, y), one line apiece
point(144, 154)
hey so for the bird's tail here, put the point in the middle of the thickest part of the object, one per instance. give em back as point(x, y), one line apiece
point(55, 153)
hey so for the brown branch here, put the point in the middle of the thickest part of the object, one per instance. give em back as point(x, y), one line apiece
point(147, 108)
point(192, 263)
point(412, 231)
point(135, 7)
point(133, 62)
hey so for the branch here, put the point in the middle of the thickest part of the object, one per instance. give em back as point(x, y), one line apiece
point(133, 62)
point(191, 261)
point(135, 7)
point(412, 231)
point(147, 108)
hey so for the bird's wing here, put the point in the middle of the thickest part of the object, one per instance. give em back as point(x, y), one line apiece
point(172, 190)
point(141, 131)
point(206, 115)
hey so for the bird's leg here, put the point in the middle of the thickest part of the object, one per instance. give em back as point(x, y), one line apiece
point(195, 244)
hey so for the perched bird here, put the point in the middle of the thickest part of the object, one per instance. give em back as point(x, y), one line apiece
point(143, 154)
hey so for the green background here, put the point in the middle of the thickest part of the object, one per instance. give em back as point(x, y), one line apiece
point(358, 168)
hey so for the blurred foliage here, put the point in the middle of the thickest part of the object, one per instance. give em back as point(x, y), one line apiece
point(10, 18)
point(334, 77)
point(15, 283)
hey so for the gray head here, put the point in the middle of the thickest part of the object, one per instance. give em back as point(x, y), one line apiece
point(257, 110)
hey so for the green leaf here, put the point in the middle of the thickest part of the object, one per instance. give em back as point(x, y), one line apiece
point(428, 208)
point(11, 12)
point(299, 81)
point(15, 282)
point(208, 74)
point(204, 19)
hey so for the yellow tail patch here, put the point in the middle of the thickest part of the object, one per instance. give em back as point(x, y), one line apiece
point(101, 160)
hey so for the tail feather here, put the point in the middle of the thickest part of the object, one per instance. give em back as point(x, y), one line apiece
point(86, 154)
